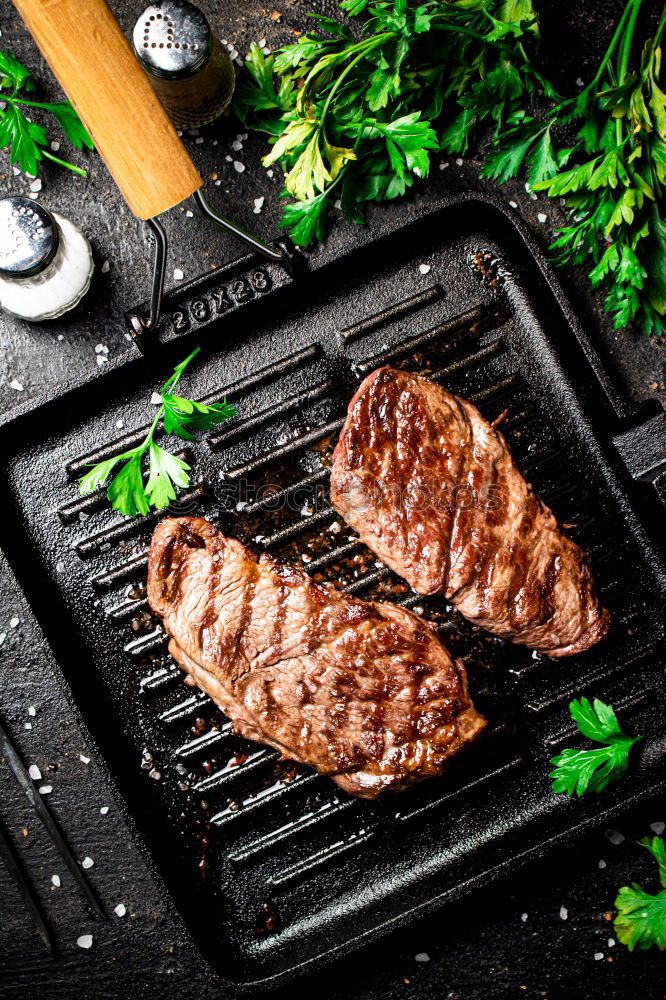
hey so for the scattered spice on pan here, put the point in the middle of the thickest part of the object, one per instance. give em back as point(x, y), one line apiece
point(127, 491)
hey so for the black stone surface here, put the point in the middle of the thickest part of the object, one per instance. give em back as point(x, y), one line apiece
point(508, 941)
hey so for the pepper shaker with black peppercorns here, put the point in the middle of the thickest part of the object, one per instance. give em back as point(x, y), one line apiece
point(189, 69)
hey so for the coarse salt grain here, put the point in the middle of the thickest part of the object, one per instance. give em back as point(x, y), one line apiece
point(106, 267)
point(424, 268)
point(87, 862)
point(34, 772)
point(55, 146)
point(85, 941)
point(27, 725)
point(459, 161)
point(36, 185)
point(3, 636)
point(102, 359)
point(15, 384)
point(258, 205)
point(658, 828)
point(45, 789)
point(422, 956)
point(13, 622)
point(614, 836)
point(611, 942)
point(602, 863)
point(513, 204)
point(579, 81)
point(156, 399)
point(55, 880)
point(178, 274)
point(189, 215)
point(236, 145)
point(270, 173)
point(564, 913)
point(120, 423)
point(542, 217)
point(238, 166)
point(523, 917)
point(598, 955)
point(104, 810)
point(120, 910)
point(32, 710)
point(84, 759)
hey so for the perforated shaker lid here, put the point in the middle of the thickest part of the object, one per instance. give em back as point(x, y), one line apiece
point(29, 237)
point(172, 38)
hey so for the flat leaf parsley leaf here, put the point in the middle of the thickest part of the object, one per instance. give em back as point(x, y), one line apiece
point(180, 416)
point(580, 771)
point(641, 916)
point(26, 140)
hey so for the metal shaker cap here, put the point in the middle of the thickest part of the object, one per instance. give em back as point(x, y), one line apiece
point(172, 39)
point(29, 237)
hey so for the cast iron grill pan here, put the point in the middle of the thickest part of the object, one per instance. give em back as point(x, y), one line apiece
point(269, 864)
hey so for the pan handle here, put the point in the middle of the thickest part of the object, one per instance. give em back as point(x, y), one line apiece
point(95, 66)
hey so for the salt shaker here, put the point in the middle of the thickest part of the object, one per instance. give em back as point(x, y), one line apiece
point(45, 261)
point(191, 73)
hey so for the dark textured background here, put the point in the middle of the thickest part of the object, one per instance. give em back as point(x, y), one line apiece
point(485, 947)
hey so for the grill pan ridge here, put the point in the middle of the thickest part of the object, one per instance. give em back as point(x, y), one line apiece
point(276, 868)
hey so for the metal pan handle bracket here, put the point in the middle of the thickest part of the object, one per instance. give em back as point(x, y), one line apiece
point(142, 325)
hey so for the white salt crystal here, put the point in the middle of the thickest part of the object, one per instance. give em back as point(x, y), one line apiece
point(598, 955)
point(178, 274)
point(523, 917)
point(85, 941)
point(45, 789)
point(35, 773)
point(106, 267)
point(611, 942)
point(32, 710)
point(542, 217)
point(513, 204)
point(13, 622)
point(270, 173)
point(84, 759)
point(55, 880)
point(27, 725)
point(55, 146)
point(3, 636)
point(238, 166)
point(579, 81)
point(658, 828)
point(236, 145)
point(602, 863)
point(189, 215)
point(15, 384)
point(120, 910)
point(104, 810)
point(156, 399)
point(459, 161)
point(615, 837)
point(101, 359)
point(258, 204)
point(422, 956)
point(564, 913)
point(120, 423)
point(36, 185)
point(87, 862)
point(424, 268)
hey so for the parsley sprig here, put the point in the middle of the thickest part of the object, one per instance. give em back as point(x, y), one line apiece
point(28, 141)
point(580, 771)
point(614, 132)
point(358, 118)
point(127, 491)
point(641, 916)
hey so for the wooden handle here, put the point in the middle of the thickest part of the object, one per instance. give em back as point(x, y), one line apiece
point(93, 62)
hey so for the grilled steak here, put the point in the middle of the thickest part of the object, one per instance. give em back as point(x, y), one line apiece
point(364, 692)
point(431, 487)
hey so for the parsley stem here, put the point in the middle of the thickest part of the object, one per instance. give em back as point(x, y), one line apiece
point(64, 163)
point(625, 48)
point(612, 45)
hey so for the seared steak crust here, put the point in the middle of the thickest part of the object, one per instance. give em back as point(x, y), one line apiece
point(431, 487)
point(364, 692)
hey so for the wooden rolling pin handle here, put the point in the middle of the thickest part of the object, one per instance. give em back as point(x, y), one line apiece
point(95, 66)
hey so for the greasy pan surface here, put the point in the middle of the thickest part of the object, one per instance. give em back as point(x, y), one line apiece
point(270, 865)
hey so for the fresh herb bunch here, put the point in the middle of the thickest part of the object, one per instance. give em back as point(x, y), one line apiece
point(127, 491)
point(27, 141)
point(641, 916)
point(615, 192)
point(580, 771)
point(360, 116)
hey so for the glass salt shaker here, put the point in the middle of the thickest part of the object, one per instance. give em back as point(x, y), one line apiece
point(190, 71)
point(46, 263)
